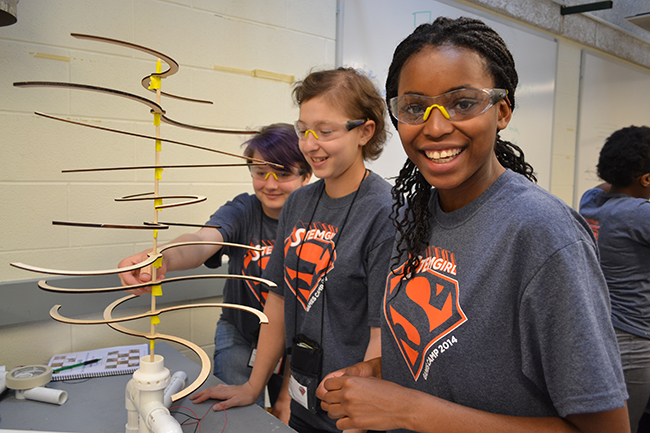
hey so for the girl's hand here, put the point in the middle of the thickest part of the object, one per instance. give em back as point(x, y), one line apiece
point(231, 396)
point(362, 402)
point(139, 276)
point(282, 408)
point(331, 388)
point(370, 368)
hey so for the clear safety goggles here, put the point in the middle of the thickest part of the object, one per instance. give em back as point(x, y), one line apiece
point(461, 104)
point(326, 130)
point(263, 173)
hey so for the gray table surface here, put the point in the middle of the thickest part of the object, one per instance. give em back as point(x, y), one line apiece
point(97, 405)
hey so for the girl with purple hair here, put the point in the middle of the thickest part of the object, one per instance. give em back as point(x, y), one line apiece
point(249, 219)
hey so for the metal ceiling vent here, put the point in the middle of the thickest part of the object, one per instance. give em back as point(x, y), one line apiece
point(8, 12)
point(642, 20)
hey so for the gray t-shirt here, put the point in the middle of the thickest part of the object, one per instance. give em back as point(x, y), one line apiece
point(621, 224)
point(508, 311)
point(310, 225)
point(242, 221)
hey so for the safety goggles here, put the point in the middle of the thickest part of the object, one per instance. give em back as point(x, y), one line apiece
point(461, 104)
point(326, 130)
point(263, 173)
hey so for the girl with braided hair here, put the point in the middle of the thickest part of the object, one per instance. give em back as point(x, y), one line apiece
point(495, 315)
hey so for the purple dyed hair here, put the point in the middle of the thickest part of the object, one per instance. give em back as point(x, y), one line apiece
point(278, 143)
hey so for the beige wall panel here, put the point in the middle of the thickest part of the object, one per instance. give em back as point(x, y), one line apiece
point(27, 213)
point(192, 37)
point(33, 343)
point(52, 21)
point(29, 62)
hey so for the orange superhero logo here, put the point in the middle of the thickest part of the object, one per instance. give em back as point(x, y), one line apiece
point(254, 264)
point(317, 256)
point(420, 311)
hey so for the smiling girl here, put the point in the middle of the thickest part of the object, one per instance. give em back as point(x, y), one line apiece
point(495, 313)
point(337, 239)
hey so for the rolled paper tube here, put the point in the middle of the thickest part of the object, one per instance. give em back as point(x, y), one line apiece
point(46, 395)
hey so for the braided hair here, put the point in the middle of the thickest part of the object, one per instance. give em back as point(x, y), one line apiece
point(412, 191)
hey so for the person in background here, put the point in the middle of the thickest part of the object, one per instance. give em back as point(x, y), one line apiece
point(618, 212)
point(336, 237)
point(495, 312)
point(249, 219)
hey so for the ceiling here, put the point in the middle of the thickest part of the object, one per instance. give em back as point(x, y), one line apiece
point(619, 14)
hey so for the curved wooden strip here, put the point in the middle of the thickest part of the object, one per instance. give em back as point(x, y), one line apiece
point(166, 119)
point(205, 363)
point(146, 81)
point(42, 284)
point(152, 258)
point(155, 108)
point(143, 167)
point(151, 137)
point(137, 197)
point(151, 104)
point(225, 244)
point(112, 226)
point(54, 313)
point(173, 65)
point(147, 262)
point(183, 224)
point(196, 199)
point(205, 360)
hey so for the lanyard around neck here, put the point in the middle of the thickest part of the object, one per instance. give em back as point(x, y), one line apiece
point(329, 263)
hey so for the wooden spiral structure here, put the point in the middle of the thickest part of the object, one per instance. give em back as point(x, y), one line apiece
point(151, 82)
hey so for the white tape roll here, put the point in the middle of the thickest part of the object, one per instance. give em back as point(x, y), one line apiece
point(28, 377)
point(46, 395)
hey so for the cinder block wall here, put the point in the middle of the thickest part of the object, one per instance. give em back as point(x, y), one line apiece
point(204, 37)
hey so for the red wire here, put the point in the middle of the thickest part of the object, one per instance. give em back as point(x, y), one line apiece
point(225, 415)
point(203, 417)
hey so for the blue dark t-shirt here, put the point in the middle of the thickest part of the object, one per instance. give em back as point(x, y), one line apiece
point(242, 221)
point(621, 224)
point(508, 311)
